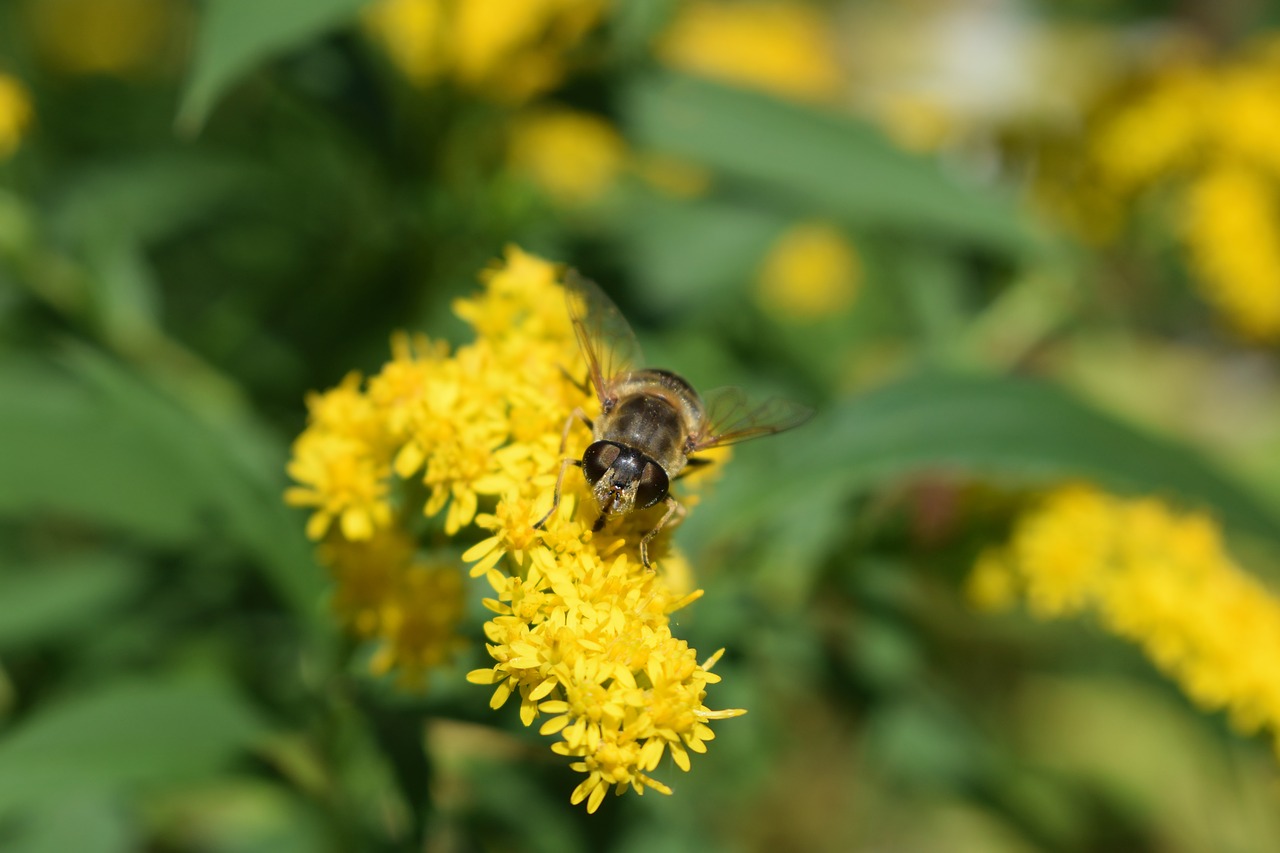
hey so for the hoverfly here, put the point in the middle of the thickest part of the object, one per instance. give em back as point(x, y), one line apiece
point(652, 422)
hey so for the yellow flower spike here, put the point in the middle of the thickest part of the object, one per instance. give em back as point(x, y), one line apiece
point(580, 630)
point(1162, 580)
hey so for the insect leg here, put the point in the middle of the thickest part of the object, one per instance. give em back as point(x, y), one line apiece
point(674, 507)
point(568, 424)
point(581, 386)
point(555, 501)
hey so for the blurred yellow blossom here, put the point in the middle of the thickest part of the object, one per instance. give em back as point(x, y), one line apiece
point(1231, 228)
point(15, 114)
point(507, 51)
point(575, 157)
point(409, 608)
point(1157, 132)
point(1159, 578)
point(114, 37)
point(412, 33)
point(1206, 132)
point(811, 271)
point(779, 46)
point(581, 629)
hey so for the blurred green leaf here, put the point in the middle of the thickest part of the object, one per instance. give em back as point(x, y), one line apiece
point(84, 824)
point(822, 163)
point(151, 196)
point(100, 445)
point(986, 426)
point(86, 457)
point(52, 597)
point(238, 35)
point(697, 251)
point(153, 732)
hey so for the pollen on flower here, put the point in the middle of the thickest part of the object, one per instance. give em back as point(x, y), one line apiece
point(580, 634)
point(1158, 578)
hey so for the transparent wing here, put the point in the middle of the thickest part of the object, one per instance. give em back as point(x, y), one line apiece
point(732, 417)
point(604, 336)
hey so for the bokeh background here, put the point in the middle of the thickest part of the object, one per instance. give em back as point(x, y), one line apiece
point(1000, 246)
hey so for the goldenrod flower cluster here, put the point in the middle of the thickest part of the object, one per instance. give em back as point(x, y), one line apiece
point(581, 631)
point(1161, 579)
point(1208, 133)
point(15, 114)
point(503, 50)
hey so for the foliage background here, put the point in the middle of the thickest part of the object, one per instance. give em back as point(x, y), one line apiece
point(217, 207)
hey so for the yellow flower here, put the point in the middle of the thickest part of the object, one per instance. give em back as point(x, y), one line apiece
point(342, 461)
point(418, 623)
point(1158, 578)
point(1207, 131)
point(412, 32)
point(581, 629)
point(1232, 231)
point(507, 51)
point(409, 608)
point(780, 47)
point(574, 157)
point(1157, 133)
point(15, 114)
point(812, 271)
point(116, 37)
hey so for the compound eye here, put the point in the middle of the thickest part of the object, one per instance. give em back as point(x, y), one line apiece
point(653, 486)
point(598, 459)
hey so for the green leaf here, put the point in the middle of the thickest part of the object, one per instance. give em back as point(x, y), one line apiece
point(820, 162)
point(101, 446)
point(982, 426)
point(54, 597)
point(156, 732)
point(87, 457)
point(83, 824)
point(696, 251)
point(236, 36)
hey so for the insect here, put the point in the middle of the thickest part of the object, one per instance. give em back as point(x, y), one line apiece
point(652, 422)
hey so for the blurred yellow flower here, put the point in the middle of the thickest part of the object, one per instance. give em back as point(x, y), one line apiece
point(581, 631)
point(1208, 132)
point(811, 271)
point(113, 37)
point(574, 157)
point(779, 46)
point(1232, 231)
point(15, 114)
point(412, 33)
point(1156, 133)
point(409, 608)
point(1161, 579)
point(507, 51)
